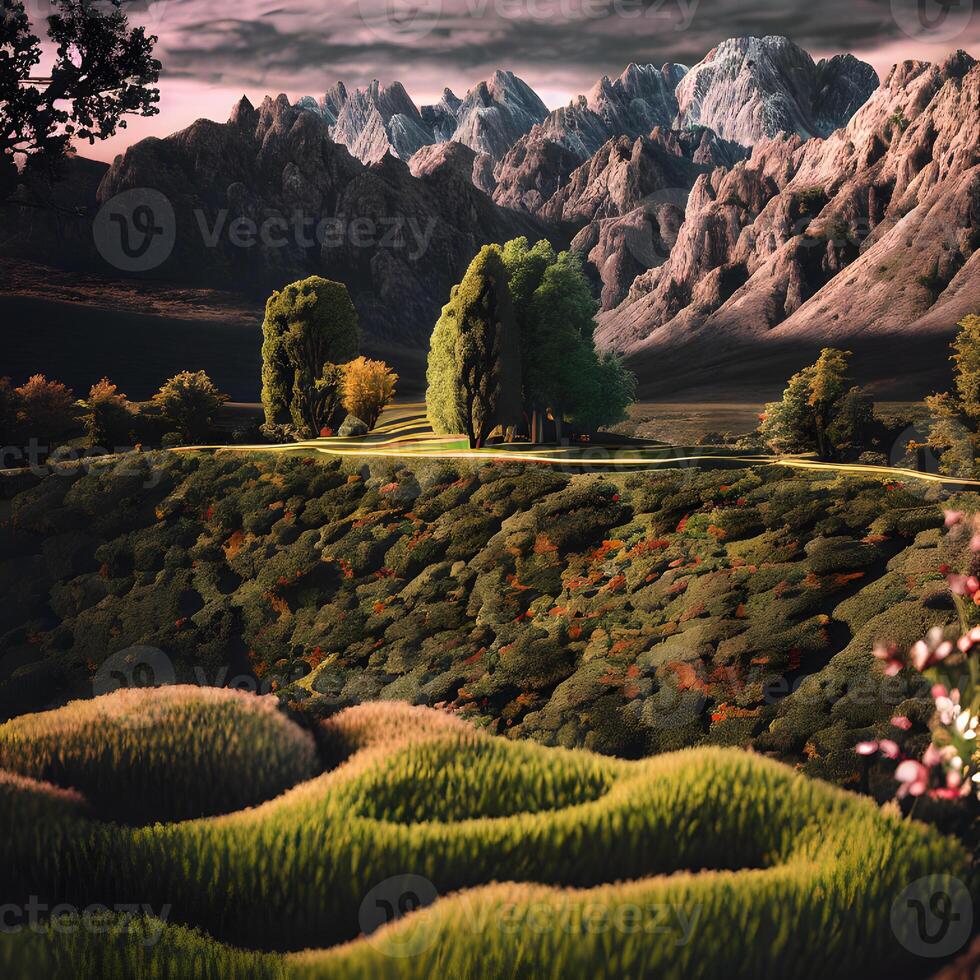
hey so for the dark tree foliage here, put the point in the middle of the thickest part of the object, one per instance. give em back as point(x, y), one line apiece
point(310, 329)
point(102, 71)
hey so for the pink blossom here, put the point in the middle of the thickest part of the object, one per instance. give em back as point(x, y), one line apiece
point(888, 652)
point(913, 776)
point(866, 748)
point(968, 640)
point(932, 650)
point(953, 517)
point(889, 749)
point(900, 721)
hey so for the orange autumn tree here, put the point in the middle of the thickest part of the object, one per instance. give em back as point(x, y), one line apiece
point(366, 388)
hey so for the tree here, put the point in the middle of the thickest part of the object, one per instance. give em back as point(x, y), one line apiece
point(310, 328)
point(101, 72)
point(190, 401)
point(955, 415)
point(366, 388)
point(820, 411)
point(562, 373)
point(44, 410)
point(474, 366)
point(110, 417)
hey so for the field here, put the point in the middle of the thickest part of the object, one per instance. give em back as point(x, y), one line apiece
point(691, 864)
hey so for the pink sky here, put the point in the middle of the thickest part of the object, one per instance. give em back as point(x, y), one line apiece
point(213, 51)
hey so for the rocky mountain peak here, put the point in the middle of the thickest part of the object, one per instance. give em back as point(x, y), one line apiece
point(748, 89)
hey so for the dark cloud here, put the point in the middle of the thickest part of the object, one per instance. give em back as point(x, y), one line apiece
point(213, 50)
point(433, 42)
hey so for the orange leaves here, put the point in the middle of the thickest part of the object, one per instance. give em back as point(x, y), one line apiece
point(693, 612)
point(683, 523)
point(233, 545)
point(543, 545)
point(687, 677)
point(842, 578)
point(278, 604)
point(378, 607)
point(606, 548)
point(645, 547)
point(812, 581)
point(718, 533)
point(315, 657)
point(616, 583)
point(514, 582)
point(741, 612)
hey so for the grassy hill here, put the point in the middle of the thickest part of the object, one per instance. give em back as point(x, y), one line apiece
point(528, 860)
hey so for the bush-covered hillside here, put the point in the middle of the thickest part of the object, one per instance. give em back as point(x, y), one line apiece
point(629, 614)
point(733, 865)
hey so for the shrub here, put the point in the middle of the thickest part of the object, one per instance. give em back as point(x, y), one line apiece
point(109, 419)
point(190, 401)
point(367, 387)
point(44, 410)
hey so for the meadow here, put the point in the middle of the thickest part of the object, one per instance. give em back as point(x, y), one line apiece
point(690, 864)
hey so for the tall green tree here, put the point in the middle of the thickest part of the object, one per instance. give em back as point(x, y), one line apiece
point(955, 415)
point(562, 373)
point(101, 72)
point(310, 328)
point(474, 367)
point(821, 410)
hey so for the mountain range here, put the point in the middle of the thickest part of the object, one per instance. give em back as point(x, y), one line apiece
point(758, 198)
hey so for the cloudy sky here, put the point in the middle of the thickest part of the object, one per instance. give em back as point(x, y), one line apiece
point(215, 50)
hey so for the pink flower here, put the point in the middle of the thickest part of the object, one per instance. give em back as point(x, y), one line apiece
point(953, 517)
point(866, 748)
point(932, 650)
point(975, 543)
point(889, 749)
point(968, 640)
point(900, 721)
point(947, 705)
point(913, 776)
point(888, 652)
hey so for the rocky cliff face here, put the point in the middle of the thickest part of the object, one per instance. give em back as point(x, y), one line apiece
point(269, 197)
point(538, 164)
point(631, 198)
point(748, 89)
point(872, 231)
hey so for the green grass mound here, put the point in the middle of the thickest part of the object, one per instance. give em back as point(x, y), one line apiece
point(446, 781)
point(164, 754)
point(701, 863)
